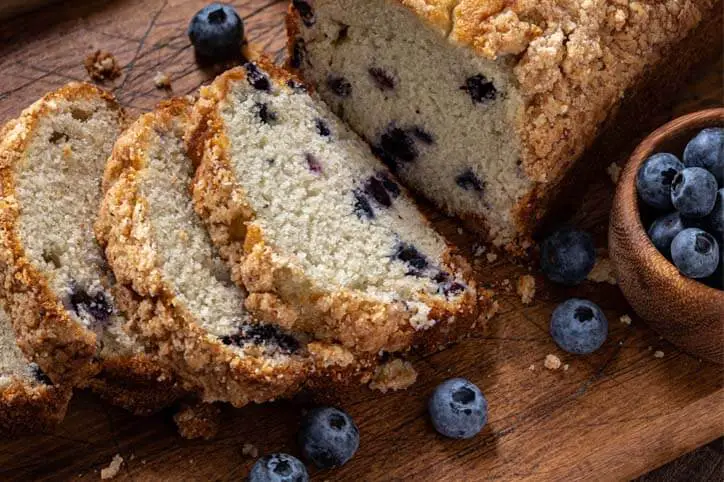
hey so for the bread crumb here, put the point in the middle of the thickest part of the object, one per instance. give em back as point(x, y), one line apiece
point(460, 231)
point(102, 65)
point(250, 450)
point(658, 354)
point(492, 257)
point(614, 172)
point(479, 250)
point(625, 319)
point(526, 288)
point(200, 420)
point(531, 368)
point(566, 367)
point(552, 362)
point(602, 272)
point(162, 81)
point(393, 375)
point(113, 469)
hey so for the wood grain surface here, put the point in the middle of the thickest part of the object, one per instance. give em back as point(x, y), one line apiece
point(613, 415)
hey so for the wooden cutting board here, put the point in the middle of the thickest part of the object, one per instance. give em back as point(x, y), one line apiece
point(611, 416)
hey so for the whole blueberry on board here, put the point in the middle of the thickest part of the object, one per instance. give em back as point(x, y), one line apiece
point(716, 218)
point(653, 180)
point(693, 192)
point(216, 32)
point(458, 409)
point(695, 253)
point(663, 231)
point(579, 326)
point(328, 437)
point(706, 150)
point(278, 468)
point(567, 256)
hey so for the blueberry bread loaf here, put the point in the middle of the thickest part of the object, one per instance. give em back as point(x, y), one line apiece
point(55, 282)
point(179, 296)
point(29, 402)
point(507, 94)
point(314, 227)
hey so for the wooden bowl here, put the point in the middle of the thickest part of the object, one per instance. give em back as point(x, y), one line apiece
point(682, 310)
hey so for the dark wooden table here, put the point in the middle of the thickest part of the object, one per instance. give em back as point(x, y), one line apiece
point(614, 415)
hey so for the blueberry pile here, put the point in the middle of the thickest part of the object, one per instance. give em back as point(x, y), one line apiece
point(687, 200)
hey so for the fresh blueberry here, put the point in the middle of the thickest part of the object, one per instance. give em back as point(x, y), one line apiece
point(579, 326)
point(695, 253)
point(328, 437)
point(458, 409)
point(567, 256)
point(663, 231)
point(653, 181)
point(693, 192)
point(278, 468)
point(707, 150)
point(716, 218)
point(216, 31)
point(479, 88)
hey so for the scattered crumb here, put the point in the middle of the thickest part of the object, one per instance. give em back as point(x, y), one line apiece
point(614, 172)
point(460, 231)
point(531, 368)
point(566, 367)
point(492, 257)
point(393, 375)
point(552, 362)
point(602, 272)
point(200, 420)
point(625, 319)
point(658, 354)
point(526, 288)
point(250, 450)
point(113, 469)
point(162, 81)
point(133, 456)
point(479, 250)
point(506, 282)
point(102, 65)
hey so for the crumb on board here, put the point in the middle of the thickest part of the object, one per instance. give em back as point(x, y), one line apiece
point(526, 288)
point(250, 450)
point(614, 172)
point(394, 375)
point(602, 272)
point(625, 319)
point(658, 354)
point(102, 65)
point(479, 250)
point(531, 367)
point(492, 257)
point(460, 231)
point(112, 469)
point(552, 362)
point(199, 420)
point(162, 81)
point(566, 367)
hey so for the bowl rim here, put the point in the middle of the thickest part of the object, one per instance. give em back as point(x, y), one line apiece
point(626, 190)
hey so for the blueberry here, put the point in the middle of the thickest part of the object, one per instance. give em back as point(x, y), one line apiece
point(216, 31)
point(96, 306)
point(707, 150)
point(313, 163)
point(328, 437)
point(266, 115)
point(395, 147)
point(362, 206)
point(567, 256)
point(375, 189)
point(296, 86)
point(423, 135)
point(256, 77)
point(263, 335)
point(469, 181)
point(409, 255)
point(479, 88)
point(693, 192)
point(39, 375)
point(278, 468)
point(382, 79)
point(716, 218)
point(390, 185)
point(579, 326)
point(663, 231)
point(298, 53)
point(339, 85)
point(322, 128)
point(305, 12)
point(458, 409)
point(695, 253)
point(653, 181)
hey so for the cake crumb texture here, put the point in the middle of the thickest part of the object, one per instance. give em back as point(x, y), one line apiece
point(394, 375)
point(102, 65)
point(526, 288)
point(602, 272)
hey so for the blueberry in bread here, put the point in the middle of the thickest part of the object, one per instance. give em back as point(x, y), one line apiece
point(180, 300)
point(56, 285)
point(29, 401)
point(507, 95)
point(314, 227)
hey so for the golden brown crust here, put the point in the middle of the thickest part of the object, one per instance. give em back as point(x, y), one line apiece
point(45, 331)
point(26, 408)
point(360, 324)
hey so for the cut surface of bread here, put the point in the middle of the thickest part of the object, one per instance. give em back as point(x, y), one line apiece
point(509, 94)
point(180, 299)
point(315, 228)
point(56, 285)
point(29, 402)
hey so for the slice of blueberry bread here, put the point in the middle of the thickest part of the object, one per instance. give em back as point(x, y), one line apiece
point(55, 282)
point(179, 296)
point(29, 401)
point(314, 227)
point(507, 94)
